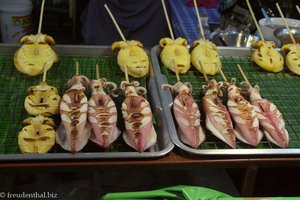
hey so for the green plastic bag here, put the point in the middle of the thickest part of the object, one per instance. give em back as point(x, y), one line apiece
point(180, 192)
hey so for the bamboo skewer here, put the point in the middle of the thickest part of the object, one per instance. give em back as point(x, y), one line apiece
point(41, 16)
point(44, 73)
point(168, 20)
point(222, 74)
point(203, 72)
point(285, 23)
point(298, 9)
point(97, 72)
point(77, 68)
point(176, 72)
point(255, 21)
point(115, 22)
point(198, 18)
point(126, 74)
point(243, 74)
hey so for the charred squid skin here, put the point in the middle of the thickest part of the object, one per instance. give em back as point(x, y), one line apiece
point(270, 118)
point(102, 115)
point(218, 119)
point(140, 133)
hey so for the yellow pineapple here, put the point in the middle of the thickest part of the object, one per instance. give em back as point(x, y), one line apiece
point(292, 59)
point(132, 55)
point(34, 54)
point(175, 54)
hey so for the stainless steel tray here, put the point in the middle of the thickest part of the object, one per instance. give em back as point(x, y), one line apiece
point(15, 89)
point(281, 88)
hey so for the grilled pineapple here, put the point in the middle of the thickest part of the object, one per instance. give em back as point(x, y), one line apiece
point(34, 54)
point(292, 59)
point(205, 53)
point(134, 56)
point(175, 54)
point(42, 99)
point(266, 57)
point(38, 136)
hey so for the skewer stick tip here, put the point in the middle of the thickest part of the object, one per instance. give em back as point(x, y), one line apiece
point(222, 74)
point(41, 16)
point(243, 74)
point(168, 20)
point(203, 72)
point(199, 19)
point(126, 74)
point(97, 72)
point(77, 68)
point(115, 22)
point(44, 73)
point(298, 9)
point(255, 21)
point(176, 71)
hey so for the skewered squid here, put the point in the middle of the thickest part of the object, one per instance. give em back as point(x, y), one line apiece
point(244, 116)
point(218, 119)
point(266, 57)
point(175, 51)
point(140, 133)
point(269, 117)
point(38, 136)
point(187, 114)
point(205, 52)
point(133, 56)
point(102, 114)
point(35, 54)
point(42, 99)
point(74, 132)
point(292, 59)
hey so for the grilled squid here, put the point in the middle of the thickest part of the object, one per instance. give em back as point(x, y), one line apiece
point(244, 116)
point(140, 133)
point(74, 132)
point(266, 56)
point(102, 114)
point(269, 117)
point(187, 114)
point(175, 53)
point(292, 59)
point(218, 119)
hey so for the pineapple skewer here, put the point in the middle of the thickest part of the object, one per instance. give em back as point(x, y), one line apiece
point(174, 49)
point(268, 114)
point(243, 114)
point(35, 52)
point(131, 53)
point(265, 55)
point(292, 58)
point(205, 51)
point(186, 112)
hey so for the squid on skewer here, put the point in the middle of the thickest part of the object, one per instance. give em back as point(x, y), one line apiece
point(74, 132)
point(187, 114)
point(244, 116)
point(140, 133)
point(102, 114)
point(218, 119)
point(269, 117)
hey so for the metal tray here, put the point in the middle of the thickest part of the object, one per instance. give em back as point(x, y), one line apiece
point(13, 91)
point(281, 88)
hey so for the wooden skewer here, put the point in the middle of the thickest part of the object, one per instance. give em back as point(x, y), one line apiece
point(255, 21)
point(115, 22)
point(176, 72)
point(285, 23)
point(41, 16)
point(44, 73)
point(126, 74)
point(77, 68)
point(203, 72)
point(198, 18)
point(97, 72)
point(168, 20)
point(243, 74)
point(222, 73)
point(298, 9)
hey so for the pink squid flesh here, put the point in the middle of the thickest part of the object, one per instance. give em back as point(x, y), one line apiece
point(218, 119)
point(270, 119)
point(244, 116)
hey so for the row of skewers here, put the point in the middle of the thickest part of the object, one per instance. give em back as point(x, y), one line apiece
point(82, 119)
point(245, 120)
